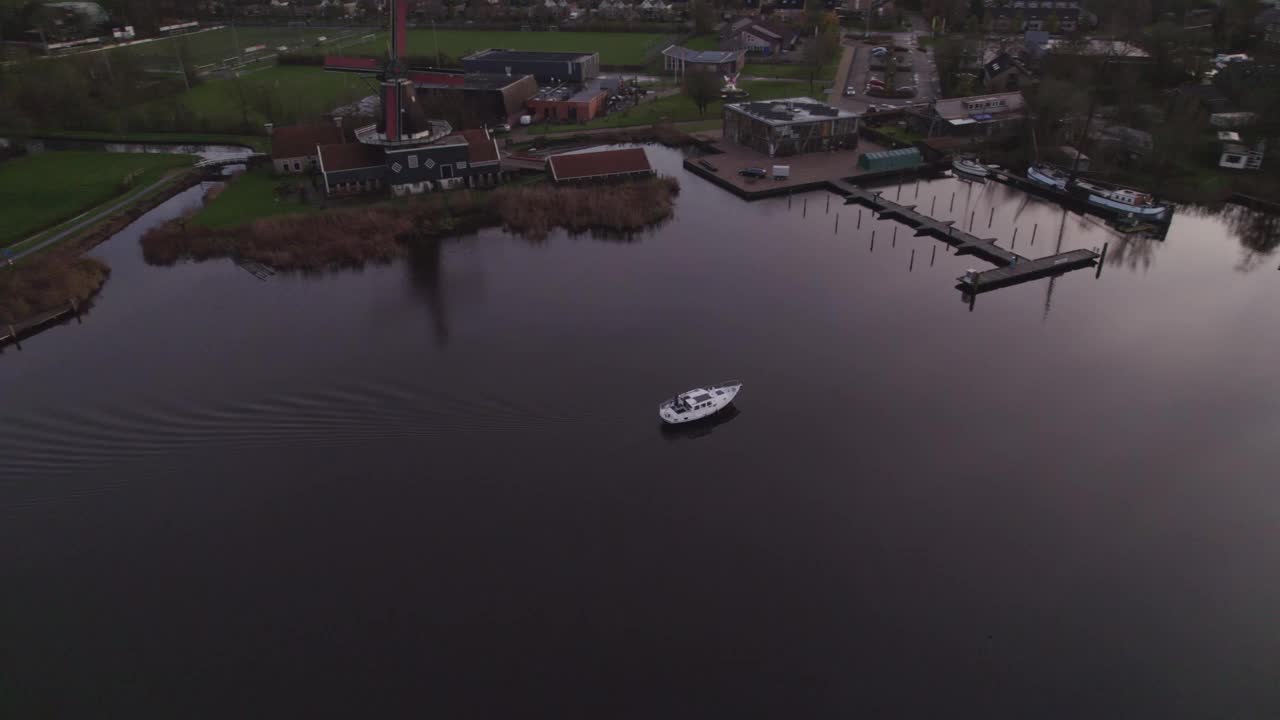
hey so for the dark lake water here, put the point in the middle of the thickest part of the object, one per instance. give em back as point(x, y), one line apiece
point(437, 488)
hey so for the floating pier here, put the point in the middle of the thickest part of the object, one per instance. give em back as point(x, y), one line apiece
point(1011, 268)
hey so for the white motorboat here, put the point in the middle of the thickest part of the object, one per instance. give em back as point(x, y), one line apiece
point(970, 166)
point(698, 403)
point(1124, 200)
point(1048, 175)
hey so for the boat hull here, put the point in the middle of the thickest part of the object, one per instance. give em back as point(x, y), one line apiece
point(1035, 175)
point(970, 170)
point(1155, 212)
point(718, 397)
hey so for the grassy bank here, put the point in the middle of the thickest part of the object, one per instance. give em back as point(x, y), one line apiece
point(351, 237)
point(38, 191)
point(53, 279)
point(679, 108)
point(259, 143)
point(255, 194)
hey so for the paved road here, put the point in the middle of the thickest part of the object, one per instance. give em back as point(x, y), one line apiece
point(88, 219)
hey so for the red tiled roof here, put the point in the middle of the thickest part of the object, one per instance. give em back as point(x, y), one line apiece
point(602, 163)
point(349, 156)
point(480, 147)
point(301, 140)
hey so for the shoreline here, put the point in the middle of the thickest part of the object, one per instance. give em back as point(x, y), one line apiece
point(350, 237)
point(61, 280)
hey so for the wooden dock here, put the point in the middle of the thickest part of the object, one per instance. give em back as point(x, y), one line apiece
point(1011, 268)
point(14, 333)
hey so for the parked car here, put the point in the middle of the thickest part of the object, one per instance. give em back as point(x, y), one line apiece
point(850, 92)
point(501, 128)
point(753, 172)
point(905, 91)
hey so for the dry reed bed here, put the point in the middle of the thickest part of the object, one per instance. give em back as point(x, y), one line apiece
point(350, 237)
point(49, 282)
point(628, 206)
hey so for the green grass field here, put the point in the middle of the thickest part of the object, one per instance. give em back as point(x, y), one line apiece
point(614, 48)
point(283, 94)
point(789, 71)
point(679, 108)
point(37, 191)
point(703, 42)
point(212, 46)
point(250, 196)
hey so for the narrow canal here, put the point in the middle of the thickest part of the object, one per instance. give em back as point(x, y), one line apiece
point(440, 485)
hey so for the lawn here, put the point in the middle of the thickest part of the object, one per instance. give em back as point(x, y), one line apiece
point(283, 94)
point(250, 196)
point(679, 108)
point(791, 71)
point(212, 46)
point(703, 42)
point(37, 191)
point(614, 48)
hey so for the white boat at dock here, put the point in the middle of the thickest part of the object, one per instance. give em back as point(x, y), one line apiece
point(970, 166)
point(698, 403)
point(1123, 200)
point(1049, 176)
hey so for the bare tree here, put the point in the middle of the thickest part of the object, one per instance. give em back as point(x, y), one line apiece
point(819, 51)
point(702, 88)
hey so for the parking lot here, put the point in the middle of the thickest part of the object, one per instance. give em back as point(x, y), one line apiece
point(922, 75)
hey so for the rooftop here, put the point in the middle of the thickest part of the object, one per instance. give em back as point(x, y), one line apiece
point(789, 110)
point(710, 57)
point(1099, 47)
point(350, 156)
point(570, 92)
point(481, 147)
point(301, 140)
point(467, 81)
point(600, 163)
point(979, 107)
point(527, 56)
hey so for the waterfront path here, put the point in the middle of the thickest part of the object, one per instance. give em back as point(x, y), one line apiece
point(83, 222)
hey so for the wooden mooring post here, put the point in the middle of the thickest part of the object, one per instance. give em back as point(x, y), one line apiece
point(992, 217)
point(828, 202)
point(859, 219)
point(971, 216)
point(1101, 259)
point(873, 241)
point(805, 211)
point(837, 224)
point(933, 205)
point(933, 256)
point(1014, 244)
point(953, 203)
point(1034, 228)
point(788, 201)
point(911, 265)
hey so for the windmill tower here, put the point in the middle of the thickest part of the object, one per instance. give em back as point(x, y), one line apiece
point(401, 122)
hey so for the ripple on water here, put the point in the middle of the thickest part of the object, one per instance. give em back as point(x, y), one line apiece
point(56, 443)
